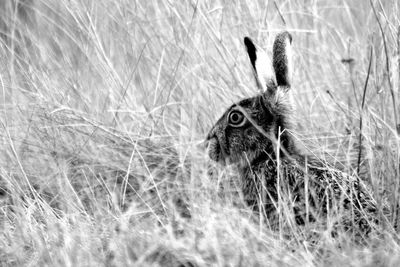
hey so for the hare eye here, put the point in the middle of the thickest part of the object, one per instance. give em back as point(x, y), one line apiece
point(236, 118)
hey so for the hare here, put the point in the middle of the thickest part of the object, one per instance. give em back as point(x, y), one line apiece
point(253, 135)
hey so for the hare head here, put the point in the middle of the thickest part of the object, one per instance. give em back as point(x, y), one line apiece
point(250, 129)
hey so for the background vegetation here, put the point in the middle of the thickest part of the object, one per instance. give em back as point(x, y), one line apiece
point(104, 105)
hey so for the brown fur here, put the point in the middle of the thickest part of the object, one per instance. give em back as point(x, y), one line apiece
point(265, 153)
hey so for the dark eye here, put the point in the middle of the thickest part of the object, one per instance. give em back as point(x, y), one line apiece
point(236, 118)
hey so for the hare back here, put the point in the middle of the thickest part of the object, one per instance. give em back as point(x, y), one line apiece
point(313, 191)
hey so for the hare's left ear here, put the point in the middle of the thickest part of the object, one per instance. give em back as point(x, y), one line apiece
point(262, 67)
point(282, 59)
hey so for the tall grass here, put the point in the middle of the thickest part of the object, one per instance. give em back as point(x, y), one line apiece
point(105, 105)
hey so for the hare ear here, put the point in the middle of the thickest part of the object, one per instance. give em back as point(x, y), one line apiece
point(282, 58)
point(261, 64)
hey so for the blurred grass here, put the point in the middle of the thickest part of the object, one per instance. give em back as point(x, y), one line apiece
point(104, 105)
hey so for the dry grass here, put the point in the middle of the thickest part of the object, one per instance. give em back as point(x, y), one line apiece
point(104, 104)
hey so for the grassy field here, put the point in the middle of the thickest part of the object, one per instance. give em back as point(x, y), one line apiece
point(105, 104)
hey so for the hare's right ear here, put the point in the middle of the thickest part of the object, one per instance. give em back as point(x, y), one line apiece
point(282, 59)
point(262, 67)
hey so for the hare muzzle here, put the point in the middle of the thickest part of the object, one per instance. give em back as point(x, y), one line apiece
point(214, 149)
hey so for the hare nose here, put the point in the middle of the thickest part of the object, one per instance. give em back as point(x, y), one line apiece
point(208, 137)
point(203, 145)
point(211, 135)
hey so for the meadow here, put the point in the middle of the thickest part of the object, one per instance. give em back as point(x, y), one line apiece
point(105, 106)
